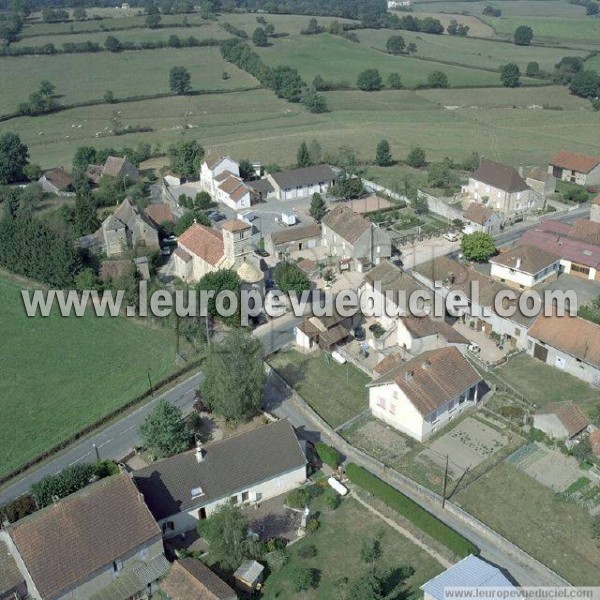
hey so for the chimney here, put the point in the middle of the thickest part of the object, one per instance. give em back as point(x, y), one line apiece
point(55, 500)
point(451, 277)
point(426, 364)
point(518, 265)
point(199, 451)
point(521, 170)
point(408, 375)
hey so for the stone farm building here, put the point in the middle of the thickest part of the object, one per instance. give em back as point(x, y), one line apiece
point(420, 396)
point(300, 183)
point(56, 181)
point(293, 239)
point(575, 168)
point(115, 166)
point(246, 469)
point(481, 218)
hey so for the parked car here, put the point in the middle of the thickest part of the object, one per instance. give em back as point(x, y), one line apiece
point(473, 347)
point(217, 216)
point(451, 236)
point(359, 334)
point(261, 252)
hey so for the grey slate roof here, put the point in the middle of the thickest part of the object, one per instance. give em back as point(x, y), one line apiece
point(304, 177)
point(469, 572)
point(229, 466)
point(500, 176)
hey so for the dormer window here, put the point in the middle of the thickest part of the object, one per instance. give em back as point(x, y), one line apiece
point(197, 492)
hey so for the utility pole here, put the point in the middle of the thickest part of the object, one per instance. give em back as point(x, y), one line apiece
point(445, 483)
point(150, 382)
point(97, 452)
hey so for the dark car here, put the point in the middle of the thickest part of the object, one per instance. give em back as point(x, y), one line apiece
point(261, 252)
point(359, 334)
point(217, 217)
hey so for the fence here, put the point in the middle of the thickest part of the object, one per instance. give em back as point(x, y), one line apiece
point(428, 499)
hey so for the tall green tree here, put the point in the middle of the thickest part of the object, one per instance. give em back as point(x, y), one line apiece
point(437, 79)
point(395, 44)
point(14, 156)
point(84, 156)
point(259, 38)
point(369, 80)
point(180, 80)
point(318, 207)
point(523, 35)
point(416, 158)
point(153, 21)
point(289, 277)
point(510, 75)
point(164, 432)
point(478, 246)
point(226, 532)
point(394, 81)
point(234, 376)
point(185, 158)
point(217, 281)
point(315, 152)
point(303, 156)
point(383, 156)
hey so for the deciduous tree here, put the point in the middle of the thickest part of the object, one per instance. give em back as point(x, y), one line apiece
point(14, 156)
point(164, 431)
point(180, 80)
point(477, 246)
point(318, 207)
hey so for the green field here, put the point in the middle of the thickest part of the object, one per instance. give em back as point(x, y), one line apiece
point(338, 544)
point(512, 8)
point(126, 74)
point(471, 52)
point(316, 375)
point(525, 511)
point(62, 374)
point(346, 59)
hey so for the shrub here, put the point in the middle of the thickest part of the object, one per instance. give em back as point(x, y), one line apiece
point(411, 510)
point(329, 455)
point(17, 509)
point(275, 543)
point(303, 578)
point(277, 559)
point(297, 498)
point(309, 551)
point(332, 500)
point(371, 551)
point(62, 484)
point(312, 525)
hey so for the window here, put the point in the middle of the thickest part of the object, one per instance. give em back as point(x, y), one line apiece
point(580, 269)
point(381, 402)
point(245, 496)
point(462, 398)
point(392, 408)
point(452, 405)
point(395, 394)
point(378, 249)
point(434, 416)
point(234, 499)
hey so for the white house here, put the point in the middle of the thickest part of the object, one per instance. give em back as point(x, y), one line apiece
point(245, 469)
point(470, 572)
point(525, 267)
point(571, 344)
point(233, 192)
point(576, 168)
point(420, 396)
point(481, 218)
point(421, 334)
point(301, 183)
point(501, 188)
point(213, 167)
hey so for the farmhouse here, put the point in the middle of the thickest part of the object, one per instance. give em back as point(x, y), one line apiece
point(247, 468)
point(421, 334)
point(571, 344)
point(354, 239)
point(300, 183)
point(419, 396)
point(324, 332)
point(160, 213)
point(56, 181)
point(100, 540)
point(128, 227)
point(293, 239)
point(540, 181)
point(191, 579)
point(561, 420)
point(443, 275)
point(470, 572)
point(501, 188)
point(115, 166)
point(525, 267)
point(576, 168)
point(481, 218)
point(577, 257)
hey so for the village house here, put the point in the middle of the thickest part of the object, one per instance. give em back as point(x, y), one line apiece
point(571, 344)
point(325, 332)
point(575, 168)
point(293, 239)
point(125, 229)
point(420, 396)
point(444, 275)
point(501, 188)
point(578, 257)
point(201, 250)
point(561, 420)
point(481, 218)
point(220, 177)
point(354, 240)
point(56, 181)
point(160, 214)
point(190, 579)
point(246, 469)
point(102, 540)
point(421, 334)
point(540, 181)
point(470, 572)
point(301, 183)
point(525, 267)
point(114, 166)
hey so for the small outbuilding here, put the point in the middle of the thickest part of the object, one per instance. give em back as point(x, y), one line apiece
point(249, 575)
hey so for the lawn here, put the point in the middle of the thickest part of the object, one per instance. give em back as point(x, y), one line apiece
point(556, 532)
point(471, 52)
point(542, 383)
point(338, 543)
point(82, 77)
point(346, 60)
point(62, 374)
point(337, 392)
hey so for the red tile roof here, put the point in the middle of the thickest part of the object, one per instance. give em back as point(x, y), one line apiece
point(191, 579)
point(575, 162)
point(236, 225)
point(204, 242)
point(595, 442)
point(59, 178)
point(573, 335)
point(433, 378)
point(160, 213)
point(586, 231)
point(569, 414)
point(478, 213)
point(63, 544)
point(343, 221)
point(231, 184)
point(528, 259)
